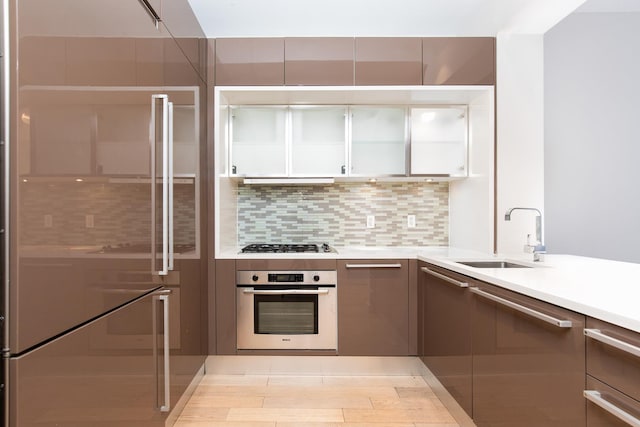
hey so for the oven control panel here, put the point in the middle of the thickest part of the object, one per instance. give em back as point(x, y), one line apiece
point(319, 277)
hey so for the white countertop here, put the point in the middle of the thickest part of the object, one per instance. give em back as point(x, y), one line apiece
point(607, 290)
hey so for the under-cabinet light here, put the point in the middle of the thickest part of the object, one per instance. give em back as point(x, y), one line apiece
point(288, 181)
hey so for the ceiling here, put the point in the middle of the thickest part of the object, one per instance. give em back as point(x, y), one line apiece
point(277, 18)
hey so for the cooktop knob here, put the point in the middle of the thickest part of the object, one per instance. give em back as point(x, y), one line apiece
point(254, 277)
point(316, 278)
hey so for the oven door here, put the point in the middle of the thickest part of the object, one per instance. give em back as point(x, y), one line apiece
point(287, 317)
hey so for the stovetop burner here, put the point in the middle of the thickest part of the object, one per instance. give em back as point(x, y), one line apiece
point(288, 248)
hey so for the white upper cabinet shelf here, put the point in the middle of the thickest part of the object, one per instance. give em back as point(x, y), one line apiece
point(364, 133)
point(378, 141)
point(439, 141)
point(318, 141)
point(258, 141)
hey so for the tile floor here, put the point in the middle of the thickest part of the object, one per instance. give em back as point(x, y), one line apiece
point(314, 401)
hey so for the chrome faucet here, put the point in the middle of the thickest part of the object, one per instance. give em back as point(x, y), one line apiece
point(537, 248)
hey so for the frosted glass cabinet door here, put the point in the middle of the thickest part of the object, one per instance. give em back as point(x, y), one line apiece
point(258, 141)
point(318, 141)
point(378, 140)
point(439, 141)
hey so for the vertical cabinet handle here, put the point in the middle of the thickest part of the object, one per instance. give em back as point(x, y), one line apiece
point(170, 173)
point(445, 278)
point(597, 335)
point(162, 296)
point(522, 309)
point(595, 397)
point(167, 182)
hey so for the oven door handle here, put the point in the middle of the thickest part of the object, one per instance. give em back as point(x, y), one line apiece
point(287, 292)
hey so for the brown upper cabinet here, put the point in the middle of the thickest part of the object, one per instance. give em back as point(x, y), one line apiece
point(319, 61)
point(458, 61)
point(253, 62)
point(388, 61)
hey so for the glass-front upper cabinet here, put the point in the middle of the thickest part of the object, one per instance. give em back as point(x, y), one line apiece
point(258, 141)
point(439, 141)
point(378, 141)
point(318, 141)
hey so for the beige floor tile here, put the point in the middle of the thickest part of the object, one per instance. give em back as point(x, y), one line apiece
point(223, 401)
point(373, 381)
point(251, 380)
point(307, 424)
point(329, 391)
point(193, 413)
point(230, 390)
point(294, 380)
point(415, 392)
point(397, 415)
point(181, 423)
point(436, 425)
point(285, 414)
point(317, 402)
point(407, 403)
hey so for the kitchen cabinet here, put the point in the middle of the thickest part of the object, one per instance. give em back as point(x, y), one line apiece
point(373, 307)
point(249, 61)
point(458, 61)
point(319, 140)
point(96, 375)
point(324, 61)
point(225, 306)
point(613, 375)
point(528, 361)
point(444, 329)
point(378, 141)
point(388, 61)
point(439, 141)
point(258, 141)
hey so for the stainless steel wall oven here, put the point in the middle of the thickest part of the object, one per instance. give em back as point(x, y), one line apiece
point(287, 310)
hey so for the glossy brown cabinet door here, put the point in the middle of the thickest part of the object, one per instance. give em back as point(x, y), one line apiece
point(613, 373)
point(619, 409)
point(446, 330)
point(248, 61)
point(373, 308)
point(388, 61)
point(327, 61)
point(526, 372)
point(225, 307)
point(98, 375)
point(458, 61)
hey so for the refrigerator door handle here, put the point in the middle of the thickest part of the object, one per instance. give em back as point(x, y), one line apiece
point(163, 296)
point(170, 173)
point(165, 184)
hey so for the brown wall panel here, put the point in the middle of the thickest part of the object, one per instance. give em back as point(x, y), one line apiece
point(388, 61)
point(458, 61)
point(249, 61)
point(319, 61)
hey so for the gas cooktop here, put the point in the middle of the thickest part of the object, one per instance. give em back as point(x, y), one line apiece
point(288, 248)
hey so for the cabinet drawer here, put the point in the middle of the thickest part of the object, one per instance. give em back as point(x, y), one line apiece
point(618, 367)
point(606, 406)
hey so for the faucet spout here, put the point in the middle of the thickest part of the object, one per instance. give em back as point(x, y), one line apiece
point(539, 247)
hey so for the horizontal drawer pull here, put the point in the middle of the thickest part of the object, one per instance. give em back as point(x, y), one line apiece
point(595, 397)
point(445, 278)
point(526, 310)
point(374, 266)
point(597, 335)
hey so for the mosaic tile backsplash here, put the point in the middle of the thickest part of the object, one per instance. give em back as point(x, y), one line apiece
point(121, 213)
point(336, 214)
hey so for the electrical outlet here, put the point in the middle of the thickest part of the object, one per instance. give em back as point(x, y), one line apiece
point(88, 221)
point(48, 221)
point(371, 221)
point(411, 221)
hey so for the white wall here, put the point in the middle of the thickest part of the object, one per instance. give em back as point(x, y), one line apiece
point(520, 123)
point(592, 142)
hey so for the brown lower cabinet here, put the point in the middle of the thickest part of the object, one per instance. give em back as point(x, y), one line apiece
point(373, 307)
point(613, 375)
point(444, 327)
point(528, 361)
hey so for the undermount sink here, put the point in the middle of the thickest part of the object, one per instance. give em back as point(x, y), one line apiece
point(492, 264)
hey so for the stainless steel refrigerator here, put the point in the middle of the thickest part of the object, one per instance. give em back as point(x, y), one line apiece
point(101, 128)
